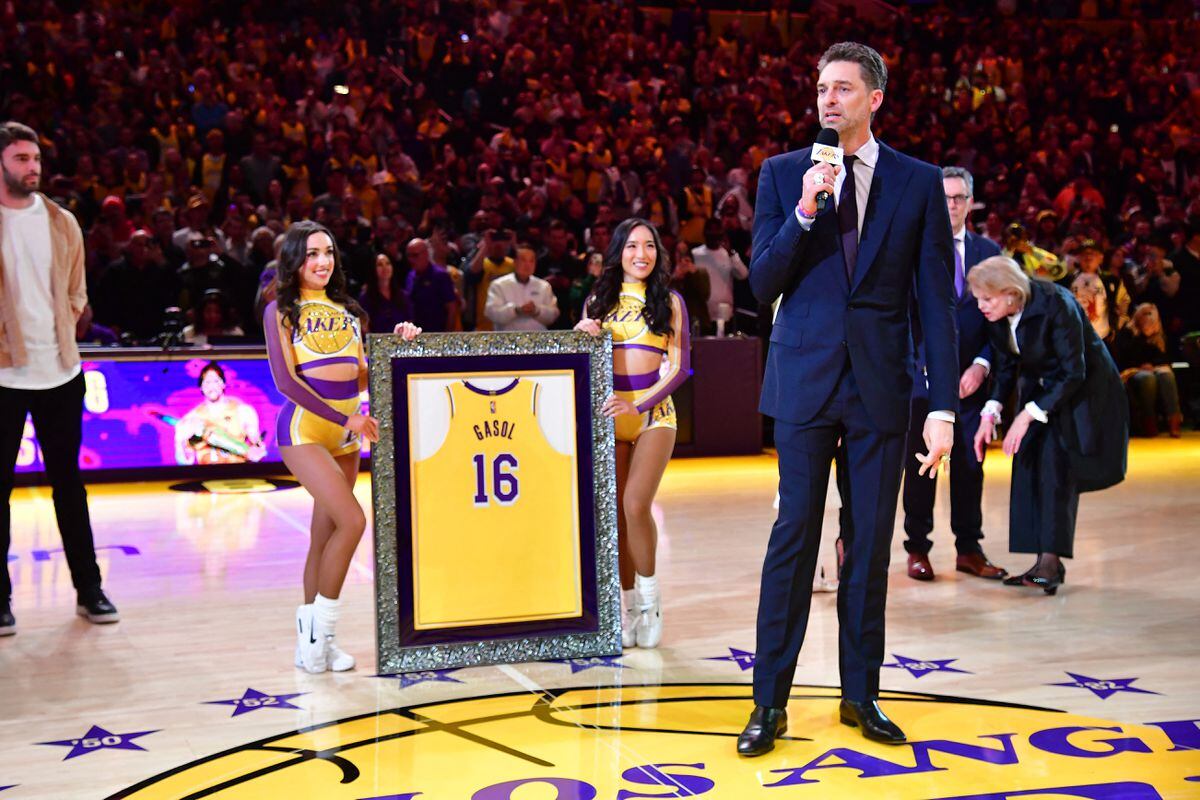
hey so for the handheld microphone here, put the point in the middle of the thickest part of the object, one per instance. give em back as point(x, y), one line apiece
point(826, 150)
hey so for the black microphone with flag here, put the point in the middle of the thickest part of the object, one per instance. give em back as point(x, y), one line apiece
point(826, 151)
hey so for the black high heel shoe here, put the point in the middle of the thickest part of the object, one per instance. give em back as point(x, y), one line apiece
point(1017, 580)
point(1047, 585)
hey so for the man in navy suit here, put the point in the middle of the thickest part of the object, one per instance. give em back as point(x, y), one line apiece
point(840, 367)
point(974, 363)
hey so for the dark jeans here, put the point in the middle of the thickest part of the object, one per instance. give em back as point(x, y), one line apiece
point(1151, 391)
point(58, 422)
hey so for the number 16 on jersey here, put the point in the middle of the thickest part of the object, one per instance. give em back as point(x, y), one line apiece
point(505, 487)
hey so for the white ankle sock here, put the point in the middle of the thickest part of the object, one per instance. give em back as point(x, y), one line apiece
point(646, 588)
point(325, 613)
point(628, 599)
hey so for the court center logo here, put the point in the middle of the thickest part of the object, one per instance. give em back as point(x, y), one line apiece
point(620, 743)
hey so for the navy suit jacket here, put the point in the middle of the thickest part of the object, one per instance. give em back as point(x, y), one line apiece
point(972, 327)
point(905, 248)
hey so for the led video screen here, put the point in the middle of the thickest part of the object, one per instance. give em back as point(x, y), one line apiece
point(174, 411)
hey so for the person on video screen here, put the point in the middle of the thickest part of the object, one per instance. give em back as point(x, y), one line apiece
point(221, 429)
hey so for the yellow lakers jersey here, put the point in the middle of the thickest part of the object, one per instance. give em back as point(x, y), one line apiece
point(627, 320)
point(495, 501)
point(326, 329)
point(327, 334)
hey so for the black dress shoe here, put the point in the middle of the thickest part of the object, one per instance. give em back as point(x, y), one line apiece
point(874, 723)
point(759, 736)
point(93, 605)
point(8, 623)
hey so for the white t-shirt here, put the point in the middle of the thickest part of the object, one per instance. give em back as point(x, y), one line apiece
point(722, 266)
point(27, 259)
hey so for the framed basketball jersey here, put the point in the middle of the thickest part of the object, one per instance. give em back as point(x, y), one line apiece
point(507, 493)
point(494, 495)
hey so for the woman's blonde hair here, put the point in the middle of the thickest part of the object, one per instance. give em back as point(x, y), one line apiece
point(1139, 314)
point(999, 275)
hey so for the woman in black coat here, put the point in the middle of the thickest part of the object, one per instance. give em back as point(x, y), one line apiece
point(1072, 432)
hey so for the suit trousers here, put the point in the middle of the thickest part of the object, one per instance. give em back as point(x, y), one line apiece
point(58, 422)
point(966, 481)
point(873, 464)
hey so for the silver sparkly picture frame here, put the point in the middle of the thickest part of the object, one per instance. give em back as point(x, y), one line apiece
point(403, 646)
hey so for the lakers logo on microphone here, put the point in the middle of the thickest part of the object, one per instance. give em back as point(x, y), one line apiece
point(828, 154)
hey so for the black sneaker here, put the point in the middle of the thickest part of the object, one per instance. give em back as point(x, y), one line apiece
point(8, 623)
point(95, 606)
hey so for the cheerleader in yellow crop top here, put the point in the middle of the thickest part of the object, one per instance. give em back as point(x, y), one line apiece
point(315, 349)
point(649, 326)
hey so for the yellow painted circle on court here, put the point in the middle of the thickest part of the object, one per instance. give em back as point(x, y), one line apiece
point(240, 486)
point(619, 743)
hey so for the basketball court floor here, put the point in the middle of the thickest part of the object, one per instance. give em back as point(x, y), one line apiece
point(1004, 692)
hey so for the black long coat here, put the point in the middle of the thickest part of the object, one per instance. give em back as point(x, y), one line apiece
point(1067, 371)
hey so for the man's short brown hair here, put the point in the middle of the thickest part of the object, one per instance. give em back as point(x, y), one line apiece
point(13, 131)
point(874, 71)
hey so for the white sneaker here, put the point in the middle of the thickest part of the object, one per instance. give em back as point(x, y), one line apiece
point(629, 620)
point(338, 660)
point(649, 623)
point(303, 618)
point(312, 646)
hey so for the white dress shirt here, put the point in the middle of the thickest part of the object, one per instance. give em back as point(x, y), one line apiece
point(507, 294)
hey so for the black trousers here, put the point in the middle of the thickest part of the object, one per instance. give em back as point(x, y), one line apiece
point(58, 422)
point(966, 481)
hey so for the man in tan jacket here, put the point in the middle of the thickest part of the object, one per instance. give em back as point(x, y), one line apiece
point(42, 294)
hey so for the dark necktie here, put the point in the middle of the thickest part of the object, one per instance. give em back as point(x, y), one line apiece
point(848, 218)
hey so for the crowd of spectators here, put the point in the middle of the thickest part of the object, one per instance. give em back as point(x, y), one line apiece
point(434, 138)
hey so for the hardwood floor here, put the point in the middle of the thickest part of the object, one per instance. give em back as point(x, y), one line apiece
point(207, 584)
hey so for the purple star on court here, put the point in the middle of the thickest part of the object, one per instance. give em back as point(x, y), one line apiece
point(919, 669)
point(428, 676)
point(581, 664)
point(253, 700)
point(13, 786)
point(740, 657)
point(1102, 688)
point(99, 739)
